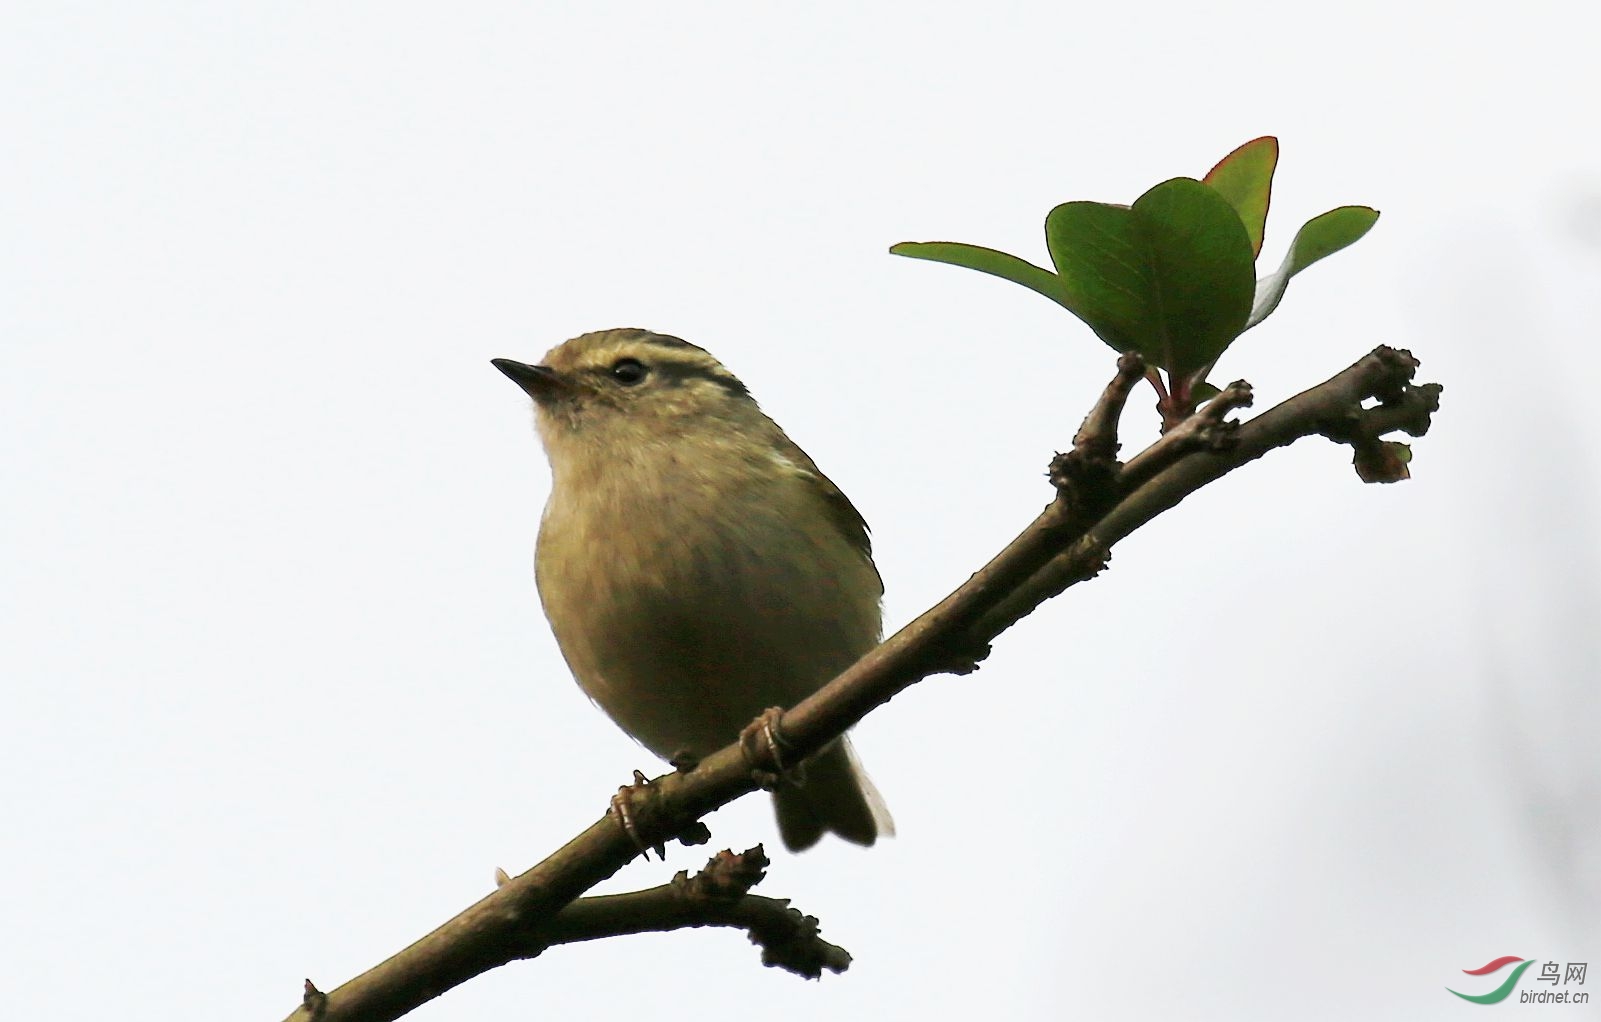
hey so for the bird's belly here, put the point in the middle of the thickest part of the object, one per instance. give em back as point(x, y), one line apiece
point(683, 637)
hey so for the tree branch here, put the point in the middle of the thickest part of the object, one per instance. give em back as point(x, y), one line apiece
point(1098, 503)
point(716, 896)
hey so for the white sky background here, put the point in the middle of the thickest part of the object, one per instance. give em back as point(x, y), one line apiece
point(277, 694)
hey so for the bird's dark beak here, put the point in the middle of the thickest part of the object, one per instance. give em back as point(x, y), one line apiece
point(541, 382)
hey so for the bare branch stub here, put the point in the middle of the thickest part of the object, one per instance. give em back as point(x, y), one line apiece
point(1086, 476)
point(1232, 398)
point(1208, 429)
point(727, 876)
point(1402, 406)
point(1097, 437)
point(794, 943)
point(314, 1001)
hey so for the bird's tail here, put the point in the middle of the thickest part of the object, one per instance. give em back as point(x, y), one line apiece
point(834, 795)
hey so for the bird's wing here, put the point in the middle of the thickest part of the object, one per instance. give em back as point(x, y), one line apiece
point(841, 511)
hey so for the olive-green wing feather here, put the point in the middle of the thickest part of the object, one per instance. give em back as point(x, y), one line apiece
point(841, 511)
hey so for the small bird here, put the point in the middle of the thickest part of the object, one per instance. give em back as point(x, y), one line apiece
point(695, 565)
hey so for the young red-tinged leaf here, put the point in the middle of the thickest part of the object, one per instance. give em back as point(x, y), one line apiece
point(1169, 277)
point(1383, 462)
point(1245, 178)
point(1319, 237)
point(987, 260)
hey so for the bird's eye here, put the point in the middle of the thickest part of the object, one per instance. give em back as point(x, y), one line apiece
point(628, 371)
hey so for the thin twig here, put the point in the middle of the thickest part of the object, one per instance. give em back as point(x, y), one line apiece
point(716, 896)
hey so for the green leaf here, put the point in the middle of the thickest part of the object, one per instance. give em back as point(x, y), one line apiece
point(1170, 277)
point(1319, 237)
point(987, 260)
point(1245, 178)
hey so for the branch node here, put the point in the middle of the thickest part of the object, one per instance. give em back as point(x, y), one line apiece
point(727, 876)
point(1399, 366)
point(1086, 476)
point(960, 654)
point(1097, 437)
point(1095, 558)
point(796, 945)
point(314, 1001)
point(959, 660)
point(1235, 396)
point(1085, 482)
point(1402, 406)
point(1203, 430)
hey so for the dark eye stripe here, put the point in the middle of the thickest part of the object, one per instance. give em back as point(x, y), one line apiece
point(680, 373)
point(730, 384)
point(678, 368)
